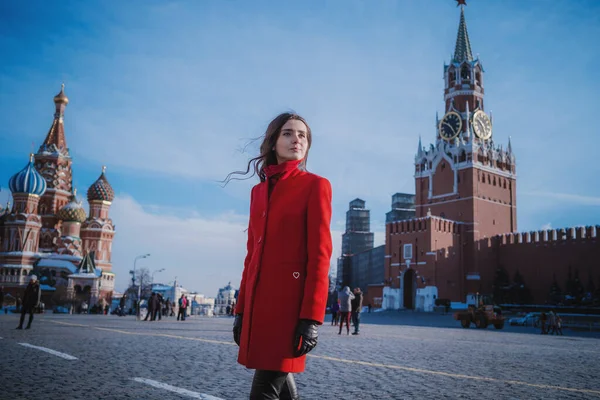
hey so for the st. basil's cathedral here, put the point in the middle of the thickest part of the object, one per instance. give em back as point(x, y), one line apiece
point(46, 232)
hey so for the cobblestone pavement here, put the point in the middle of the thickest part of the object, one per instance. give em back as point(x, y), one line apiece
point(401, 356)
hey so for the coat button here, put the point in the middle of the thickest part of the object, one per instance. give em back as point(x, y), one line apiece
point(264, 214)
point(260, 239)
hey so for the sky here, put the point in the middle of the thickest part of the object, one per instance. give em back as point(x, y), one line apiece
point(167, 94)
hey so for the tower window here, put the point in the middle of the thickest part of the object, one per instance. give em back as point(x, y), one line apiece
point(452, 77)
point(465, 74)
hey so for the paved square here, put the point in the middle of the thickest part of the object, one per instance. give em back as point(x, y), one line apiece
point(396, 356)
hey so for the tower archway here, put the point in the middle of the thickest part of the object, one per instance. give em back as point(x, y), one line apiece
point(409, 283)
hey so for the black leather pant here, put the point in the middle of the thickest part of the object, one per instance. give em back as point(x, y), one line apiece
point(273, 385)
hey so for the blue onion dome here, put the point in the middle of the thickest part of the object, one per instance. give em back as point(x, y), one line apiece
point(72, 211)
point(28, 180)
point(101, 189)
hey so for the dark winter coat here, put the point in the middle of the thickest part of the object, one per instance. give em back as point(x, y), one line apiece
point(357, 302)
point(285, 276)
point(32, 296)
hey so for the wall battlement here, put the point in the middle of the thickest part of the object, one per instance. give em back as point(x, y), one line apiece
point(429, 222)
point(572, 234)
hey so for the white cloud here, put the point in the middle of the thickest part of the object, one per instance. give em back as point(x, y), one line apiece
point(203, 252)
point(547, 226)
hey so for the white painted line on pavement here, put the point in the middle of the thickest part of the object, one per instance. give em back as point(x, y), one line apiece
point(365, 363)
point(54, 352)
point(181, 391)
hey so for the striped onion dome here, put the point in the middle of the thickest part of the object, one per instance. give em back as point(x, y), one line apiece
point(28, 180)
point(72, 211)
point(101, 189)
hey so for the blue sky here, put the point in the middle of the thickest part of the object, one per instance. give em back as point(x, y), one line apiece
point(167, 93)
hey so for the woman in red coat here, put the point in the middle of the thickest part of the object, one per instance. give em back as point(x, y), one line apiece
point(284, 287)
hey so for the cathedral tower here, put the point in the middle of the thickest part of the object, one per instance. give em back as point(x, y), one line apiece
point(97, 231)
point(71, 216)
point(53, 161)
point(22, 225)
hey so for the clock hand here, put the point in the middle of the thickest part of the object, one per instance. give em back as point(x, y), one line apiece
point(451, 128)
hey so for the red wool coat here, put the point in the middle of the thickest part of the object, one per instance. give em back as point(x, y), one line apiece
point(286, 269)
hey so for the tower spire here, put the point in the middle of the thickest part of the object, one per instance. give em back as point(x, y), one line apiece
point(462, 51)
point(55, 141)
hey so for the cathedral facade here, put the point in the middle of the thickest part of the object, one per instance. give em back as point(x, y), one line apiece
point(47, 232)
point(464, 235)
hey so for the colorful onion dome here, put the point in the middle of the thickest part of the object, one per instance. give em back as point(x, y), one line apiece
point(72, 211)
point(101, 189)
point(28, 180)
point(61, 97)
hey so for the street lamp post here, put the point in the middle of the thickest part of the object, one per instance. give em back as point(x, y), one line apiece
point(139, 286)
point(158, 270)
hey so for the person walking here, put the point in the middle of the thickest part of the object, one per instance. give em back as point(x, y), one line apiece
point(31, 299)
point(356, 309)
point(335, 310)
point(182, 306)
point(288, 255)
point(167, 307)
point(346, 298)
point(150, 307)
point(122, 306)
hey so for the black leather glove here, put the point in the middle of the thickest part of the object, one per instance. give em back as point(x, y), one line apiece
point(237, 328)
point(306, 337)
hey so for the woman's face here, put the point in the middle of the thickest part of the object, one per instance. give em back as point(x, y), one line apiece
point(292, 142)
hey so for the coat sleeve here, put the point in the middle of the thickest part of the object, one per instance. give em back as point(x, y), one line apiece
point(319, 249)
point(239, 307)
point(38, 296)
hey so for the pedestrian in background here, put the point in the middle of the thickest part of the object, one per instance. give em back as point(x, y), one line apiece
point(182, 306)
point(150, 307)
point(289, 247)
point(356, 309)
point(335, 311)
point(346, 298)
point(31, 299)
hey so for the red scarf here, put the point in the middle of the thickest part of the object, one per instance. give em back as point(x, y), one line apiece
point(277, 171)
point(281, 169)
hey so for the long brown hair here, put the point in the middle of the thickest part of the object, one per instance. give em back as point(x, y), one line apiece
point(267, 155)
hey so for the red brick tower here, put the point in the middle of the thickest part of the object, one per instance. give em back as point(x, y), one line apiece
point(53, 161)
point(465, 188)
point(465, 176)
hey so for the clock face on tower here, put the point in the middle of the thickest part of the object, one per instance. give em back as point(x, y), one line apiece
point(450, 125)
point(482, 126)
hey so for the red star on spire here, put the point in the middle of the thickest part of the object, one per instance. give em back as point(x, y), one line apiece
point(461, 3)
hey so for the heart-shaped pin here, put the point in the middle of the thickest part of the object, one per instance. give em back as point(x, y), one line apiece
point(296, 275)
